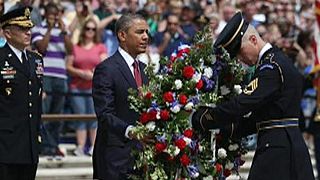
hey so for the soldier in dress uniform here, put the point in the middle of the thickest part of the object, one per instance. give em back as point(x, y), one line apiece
point(21, 73)
point(270, 103)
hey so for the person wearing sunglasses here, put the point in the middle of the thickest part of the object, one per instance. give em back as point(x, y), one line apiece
point(80, 65)
point(53, 41)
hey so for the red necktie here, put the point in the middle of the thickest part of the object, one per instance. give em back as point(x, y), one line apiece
point(137, 75)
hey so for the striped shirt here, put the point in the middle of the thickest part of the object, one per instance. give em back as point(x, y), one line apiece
point(54, 57)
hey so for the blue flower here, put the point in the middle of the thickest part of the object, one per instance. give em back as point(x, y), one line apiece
point(193, 171)
point(161, 138)
point(208, 84)
point(193, 145)
point(154, 105)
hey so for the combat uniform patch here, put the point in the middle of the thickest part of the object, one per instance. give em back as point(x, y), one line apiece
point(253, 85)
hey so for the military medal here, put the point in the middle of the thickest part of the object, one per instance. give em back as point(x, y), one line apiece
point(8, 72)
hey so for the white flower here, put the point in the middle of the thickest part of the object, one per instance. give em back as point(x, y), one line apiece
point(178, 84)
point(229, 165)
point(237, 89)
point(208, 72)
point(160, 77)
point(187, 140)
point(214, 59)
point(158, 115)
point(176, 151)
point(200, 148)
point(222, 153)
point(175, 109)
point(224, 90)
point(196, 77)
point(233, 147)
point(151, 126)
point(188, 106)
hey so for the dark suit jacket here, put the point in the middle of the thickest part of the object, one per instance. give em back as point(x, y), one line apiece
point(20, 107)
point(111, 81)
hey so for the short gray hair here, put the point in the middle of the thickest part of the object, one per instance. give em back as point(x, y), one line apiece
point(126, 21)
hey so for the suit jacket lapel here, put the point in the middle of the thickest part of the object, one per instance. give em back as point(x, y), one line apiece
point(125, 70)
point(14, 61)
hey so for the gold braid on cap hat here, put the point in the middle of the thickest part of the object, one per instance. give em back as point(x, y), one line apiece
point(21, 20)
point(235, 34)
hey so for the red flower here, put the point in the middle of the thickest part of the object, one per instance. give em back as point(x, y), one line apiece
point(199, 84)
point(226, 172)
point(188, 72)
point(180, 143)
point(152, 115)
point(160, 147)
point(164, 115)
point(218, 167)
point(144, 118)
point(148, 95)
point(188, 133)
point(168, 97)
point(183, 99)
point(185, 160)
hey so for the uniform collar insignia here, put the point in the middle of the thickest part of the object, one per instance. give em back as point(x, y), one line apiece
point(27, 12)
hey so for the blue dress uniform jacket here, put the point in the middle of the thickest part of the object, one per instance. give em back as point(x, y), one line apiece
point(20, 107)
point(272, 96)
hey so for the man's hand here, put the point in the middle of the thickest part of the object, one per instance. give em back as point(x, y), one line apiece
point(147, 139)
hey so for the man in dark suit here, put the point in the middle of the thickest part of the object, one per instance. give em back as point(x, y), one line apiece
point(272, 102)
point(111, 81)
point(20, 98)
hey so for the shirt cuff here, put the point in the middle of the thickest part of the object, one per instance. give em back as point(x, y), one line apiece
point(130, 127)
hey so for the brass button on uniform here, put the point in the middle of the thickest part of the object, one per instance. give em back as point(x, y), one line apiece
point(30, 93)
point(29, 82)
point(267, 145)
point(30, 104)
point(30, 115)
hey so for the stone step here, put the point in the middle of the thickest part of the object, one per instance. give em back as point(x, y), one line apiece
point(64, 173)
point(80, 168)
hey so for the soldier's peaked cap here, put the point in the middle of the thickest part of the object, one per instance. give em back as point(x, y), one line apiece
point(231, 35)
point(19, 17)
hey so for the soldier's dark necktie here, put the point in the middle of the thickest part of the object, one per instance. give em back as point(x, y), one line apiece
point(137, 75)
point(25, 61)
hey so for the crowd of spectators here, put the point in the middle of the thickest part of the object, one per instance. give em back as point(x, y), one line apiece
point(74, 35)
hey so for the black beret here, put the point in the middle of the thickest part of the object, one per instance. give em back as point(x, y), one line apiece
point(19, 17)
point(231, 35)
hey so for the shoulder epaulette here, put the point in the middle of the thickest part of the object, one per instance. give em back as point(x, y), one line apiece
point(36, 52)
point(39, 54)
